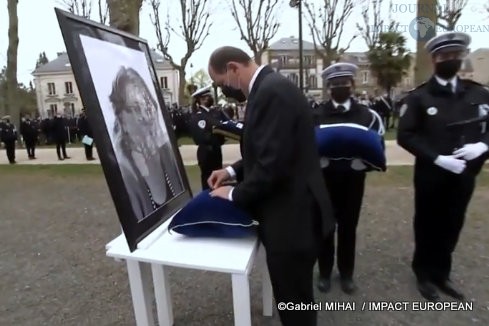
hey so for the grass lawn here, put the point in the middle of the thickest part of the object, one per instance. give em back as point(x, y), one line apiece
point(56, 220)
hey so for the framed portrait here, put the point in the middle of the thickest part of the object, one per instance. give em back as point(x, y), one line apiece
point(132, 128)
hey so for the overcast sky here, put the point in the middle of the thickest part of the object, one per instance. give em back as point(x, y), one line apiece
point(39, 30)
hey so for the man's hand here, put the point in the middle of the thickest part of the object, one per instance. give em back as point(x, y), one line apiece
point(471, 151)
point(217, 178)
point(451, 163)
point(222, 192)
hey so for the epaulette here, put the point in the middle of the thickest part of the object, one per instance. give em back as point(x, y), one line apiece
point(419, 86)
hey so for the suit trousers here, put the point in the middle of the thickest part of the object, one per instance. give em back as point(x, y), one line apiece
point(30, 145)
point(441, 199)
point(88, 151)
point(346, 191)
point(10, 149)
point(61, 149)
point(210, 159)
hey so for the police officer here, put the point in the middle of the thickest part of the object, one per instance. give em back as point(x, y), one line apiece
point(209, 153)
point(59, 131)
point(346, 186)
point(30, 132)
point(447, 160)
point(8, 135)
point(85, 130)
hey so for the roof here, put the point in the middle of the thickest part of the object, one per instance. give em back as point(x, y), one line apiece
point(62, 64)
point(290, 43)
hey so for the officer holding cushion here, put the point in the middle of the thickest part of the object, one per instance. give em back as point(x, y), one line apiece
point(344, 176)
point(447, 159)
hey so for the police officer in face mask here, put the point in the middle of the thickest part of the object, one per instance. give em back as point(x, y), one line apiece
point(346, 185)
point(447, 159)
point(209, 152)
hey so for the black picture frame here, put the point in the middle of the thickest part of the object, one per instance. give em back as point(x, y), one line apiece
point(94, 51)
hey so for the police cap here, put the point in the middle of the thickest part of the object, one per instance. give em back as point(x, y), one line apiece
point(451, 41)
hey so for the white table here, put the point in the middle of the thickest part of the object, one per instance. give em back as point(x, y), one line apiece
point(161, 249)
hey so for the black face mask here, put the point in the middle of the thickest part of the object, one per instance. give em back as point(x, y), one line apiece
point(448, 69)
point(231, 92)
point(340, 94)
point(208, 102)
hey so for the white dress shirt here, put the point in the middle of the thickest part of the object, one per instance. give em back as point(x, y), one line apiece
point(230, 169)
point(444, 82)
point(346, 104)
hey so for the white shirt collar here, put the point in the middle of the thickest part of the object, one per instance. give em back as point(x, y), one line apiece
point(205, 108)
point(347, 104)
point(252, 81)
point(444, 82)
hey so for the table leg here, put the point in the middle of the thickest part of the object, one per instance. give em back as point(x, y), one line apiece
point(267, 292)
point(241, 300)
point(139, 282)
point(162, 295)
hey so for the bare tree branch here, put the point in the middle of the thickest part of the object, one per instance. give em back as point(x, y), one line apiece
point(257, 23)
point(194, 29)
point(327, 25)
point(450, 13)
point(103, 13)
point(81, 8)
point(370, 32)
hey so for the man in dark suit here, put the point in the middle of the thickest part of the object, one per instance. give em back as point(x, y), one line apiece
point(60, 134)
point(85, 131)
point(279, 176)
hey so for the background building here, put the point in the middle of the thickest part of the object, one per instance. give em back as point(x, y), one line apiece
point(57, 92)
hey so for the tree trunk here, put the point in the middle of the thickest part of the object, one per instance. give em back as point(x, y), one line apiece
point(124, 15)
point(11, 74)
point(424, 69)
point(181, 86)
point(258, 55)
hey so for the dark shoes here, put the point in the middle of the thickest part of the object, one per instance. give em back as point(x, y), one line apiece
point(448, 288)
point(90, 159)
point(324, 284)
point(428, 290)
point(347, 285)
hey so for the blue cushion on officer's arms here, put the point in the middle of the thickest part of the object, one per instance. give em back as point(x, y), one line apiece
point(348, 142)
point(206, 216)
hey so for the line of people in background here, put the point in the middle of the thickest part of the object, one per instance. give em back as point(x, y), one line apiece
point(34, 132)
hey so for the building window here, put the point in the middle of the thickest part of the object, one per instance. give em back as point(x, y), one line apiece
point(72, 109)
point(51, 89)
point(313, 82)
point(164, 82)
point(308, 60)
point(365, 77)
point(53, 109)
point(284, 60)
point(68, 88)
point(294, 78)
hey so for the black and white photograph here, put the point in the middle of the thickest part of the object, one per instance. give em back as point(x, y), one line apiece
point(132, 128)
point(135, 124)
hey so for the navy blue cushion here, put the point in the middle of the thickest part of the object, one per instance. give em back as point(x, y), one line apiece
point(344, 143)
point(206, 216)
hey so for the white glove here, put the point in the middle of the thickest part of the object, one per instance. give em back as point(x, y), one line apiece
point(471, 151)
point(451, 163)
point(324, 162)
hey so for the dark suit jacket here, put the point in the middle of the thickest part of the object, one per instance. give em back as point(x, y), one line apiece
point(280, 178)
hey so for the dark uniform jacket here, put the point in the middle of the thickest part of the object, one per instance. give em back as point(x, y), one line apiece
point(7, 132)
point(428, 110)
point(29, 130)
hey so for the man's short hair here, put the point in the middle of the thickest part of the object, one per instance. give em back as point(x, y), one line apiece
point(222, 56)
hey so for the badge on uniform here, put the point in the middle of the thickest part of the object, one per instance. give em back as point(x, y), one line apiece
point(432, 111)
point(201, 124)
point(403, 109)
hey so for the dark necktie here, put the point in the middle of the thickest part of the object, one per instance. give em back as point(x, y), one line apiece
point(341, 109)
point(449, 87)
